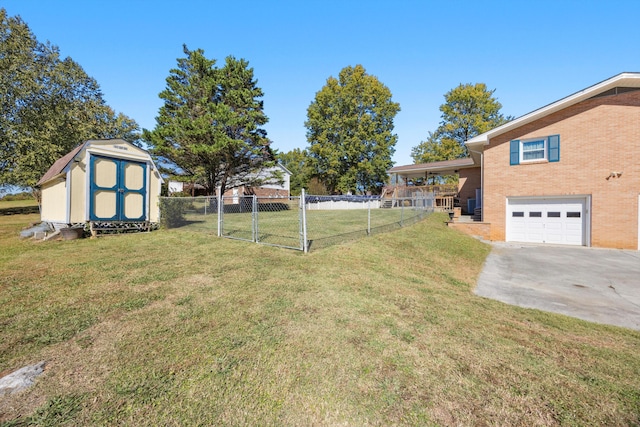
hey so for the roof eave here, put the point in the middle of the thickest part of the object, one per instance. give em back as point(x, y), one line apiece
point(423, 167)
point(630, 78)
point(62, 175)
point(444, 168)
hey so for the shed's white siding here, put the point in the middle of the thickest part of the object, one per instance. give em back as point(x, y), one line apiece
point(54, 201)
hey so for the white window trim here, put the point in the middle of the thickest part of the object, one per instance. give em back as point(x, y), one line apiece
point(545, 149)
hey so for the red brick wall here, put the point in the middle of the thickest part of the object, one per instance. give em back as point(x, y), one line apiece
point(479, 229)
point(270, 192)
point(597, 137)
point(468, 181)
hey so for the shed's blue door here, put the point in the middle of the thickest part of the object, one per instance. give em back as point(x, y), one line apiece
point(118, 189)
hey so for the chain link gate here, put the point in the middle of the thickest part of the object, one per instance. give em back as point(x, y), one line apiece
point(266, 220)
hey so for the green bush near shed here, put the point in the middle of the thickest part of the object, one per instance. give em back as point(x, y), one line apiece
point(172, 210)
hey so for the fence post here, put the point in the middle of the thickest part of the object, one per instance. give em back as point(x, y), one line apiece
point(254, 217)
point(368, 217)
point(303, 218)
point(401, 213)
point(220, 209)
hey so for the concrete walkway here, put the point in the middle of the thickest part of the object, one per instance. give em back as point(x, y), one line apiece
point(599, 285)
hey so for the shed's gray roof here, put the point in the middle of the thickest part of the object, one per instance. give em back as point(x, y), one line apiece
point(62, 163)
point(59, 166)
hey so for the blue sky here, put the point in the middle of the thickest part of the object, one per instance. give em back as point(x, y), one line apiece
point(532, 52)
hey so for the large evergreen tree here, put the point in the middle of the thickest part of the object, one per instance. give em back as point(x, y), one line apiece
point(49, 105)
point(469, 110)
point(209, 128)
point(350, 132)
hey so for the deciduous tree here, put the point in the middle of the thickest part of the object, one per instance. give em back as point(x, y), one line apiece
point(298, 162)
point(469, 110)
point(350, 132)
point(49, 105)
point(209, 127)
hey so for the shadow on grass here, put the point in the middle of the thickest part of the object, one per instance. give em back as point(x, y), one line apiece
point(20, 210)
point(184, 223)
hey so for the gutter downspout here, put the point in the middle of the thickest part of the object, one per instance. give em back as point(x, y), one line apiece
point(68, 185)
point(481, 182)
point(87, 186)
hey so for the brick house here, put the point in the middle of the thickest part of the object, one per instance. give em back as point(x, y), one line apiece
point(567, 173)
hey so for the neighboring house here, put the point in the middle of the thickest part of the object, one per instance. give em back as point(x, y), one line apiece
point(175, 187)
point(101, 181)
point(567, 173)
point(186, 188)
point(270, 188)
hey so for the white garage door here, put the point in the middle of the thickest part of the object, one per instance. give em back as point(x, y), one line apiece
point(544, 220)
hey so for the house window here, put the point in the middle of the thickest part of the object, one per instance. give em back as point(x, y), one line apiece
point(533, 150)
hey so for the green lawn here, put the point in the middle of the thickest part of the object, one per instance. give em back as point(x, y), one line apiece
point(9, 207)
point(17, 203)
point(177, 327)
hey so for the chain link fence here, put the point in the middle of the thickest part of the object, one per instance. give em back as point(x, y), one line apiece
point(302, 223)
point(334, 219)
point(271, 221)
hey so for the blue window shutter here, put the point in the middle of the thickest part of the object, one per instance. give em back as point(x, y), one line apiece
point(554, 148)
point(514, 158)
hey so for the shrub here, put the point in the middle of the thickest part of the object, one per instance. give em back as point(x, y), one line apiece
point(18, 196)
point(172, 211)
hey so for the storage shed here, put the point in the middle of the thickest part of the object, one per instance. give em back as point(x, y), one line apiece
point(104, 180)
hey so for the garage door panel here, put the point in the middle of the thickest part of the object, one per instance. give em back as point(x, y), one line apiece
point(535, 235)
point(574, 233)
point(554, 229)
point(518, 230)
point(574, 225)
point(540, 220)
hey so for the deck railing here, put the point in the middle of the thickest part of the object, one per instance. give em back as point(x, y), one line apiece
point(444, 194)
point(411, 190)
point(444, 203)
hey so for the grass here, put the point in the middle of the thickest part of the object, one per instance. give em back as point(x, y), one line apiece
point(18, 206)
point(17, 203)
point(180, 328)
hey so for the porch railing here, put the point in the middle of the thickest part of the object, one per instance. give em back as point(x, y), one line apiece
point(445, 194)
point(393, 191)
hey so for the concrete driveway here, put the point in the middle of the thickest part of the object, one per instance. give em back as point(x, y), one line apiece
point(599, 285)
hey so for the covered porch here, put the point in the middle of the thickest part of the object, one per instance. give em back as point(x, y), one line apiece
point(462, 197)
